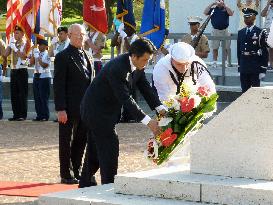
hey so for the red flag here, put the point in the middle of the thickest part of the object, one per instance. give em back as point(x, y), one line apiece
point(94, 15)
point(13, 16)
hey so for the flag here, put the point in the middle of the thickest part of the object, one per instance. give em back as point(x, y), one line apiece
point(29, 13)
point(51, 10)
point(94, 15)
point(13, 16)
point(125, 13)
point(153, 21)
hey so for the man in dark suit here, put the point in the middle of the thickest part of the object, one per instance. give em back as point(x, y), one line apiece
point(251, 52)
point(101, 107)
point(73, 72)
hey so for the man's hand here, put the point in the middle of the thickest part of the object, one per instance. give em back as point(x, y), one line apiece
point(36, 53)
point(13, 46)
point(62, 116)
point(153, 125)
point(54, 40)
point(261, 76)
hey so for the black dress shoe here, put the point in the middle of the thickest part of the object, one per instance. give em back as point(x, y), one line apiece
point(69, 181)
point(83, 183)
point(36, 119)
point(12, 119)
point(43, 119)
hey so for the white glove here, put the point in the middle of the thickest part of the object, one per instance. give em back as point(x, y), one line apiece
point(54, 40)
point(121, 27)
point(261, 76)
point(11, 40)
point(36, 53)
point(55, 52)
point(12, 44)
point(122, 34)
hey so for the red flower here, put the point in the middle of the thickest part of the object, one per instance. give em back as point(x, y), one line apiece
point(187, 104)
point(203, 90)
point(167, 138)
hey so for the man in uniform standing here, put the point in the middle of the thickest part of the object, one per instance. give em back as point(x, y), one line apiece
point(94, 44)
point(18, 75)
point(202, 48)
point(251, 52)
point(41, 80)
point(60, 43)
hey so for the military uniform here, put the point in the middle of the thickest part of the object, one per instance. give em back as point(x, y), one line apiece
point(168, 80)
point(203, 44)
point(41, 85)
point(18, 80)
point(252, 54)
point(98, 39)
point(58, 47)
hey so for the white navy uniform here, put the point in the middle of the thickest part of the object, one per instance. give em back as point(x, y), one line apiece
point(41, 87)
point(163, 74)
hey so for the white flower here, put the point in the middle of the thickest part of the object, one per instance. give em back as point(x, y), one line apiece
point(176, 105)
point(197, 100)
point(165, 121)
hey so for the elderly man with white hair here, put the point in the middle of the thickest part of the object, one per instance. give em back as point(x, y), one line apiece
point(180, 65)
point(73, 72)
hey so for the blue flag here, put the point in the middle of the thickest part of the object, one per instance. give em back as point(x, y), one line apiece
point(125, 12)
point(153, 21)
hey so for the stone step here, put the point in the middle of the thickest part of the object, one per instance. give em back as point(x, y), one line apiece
point(104, 195)
point(176, 182)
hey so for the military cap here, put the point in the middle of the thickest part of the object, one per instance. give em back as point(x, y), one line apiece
point(249, 12)
point(194, 19)
point(42, 42)
point(182, 52)
point(18, 28)
point(62, 28)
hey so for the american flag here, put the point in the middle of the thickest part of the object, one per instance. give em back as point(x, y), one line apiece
point(13, 16)
point(29, 12)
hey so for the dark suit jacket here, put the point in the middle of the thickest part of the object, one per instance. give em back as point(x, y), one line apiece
point(110, 90)
point(70, 81)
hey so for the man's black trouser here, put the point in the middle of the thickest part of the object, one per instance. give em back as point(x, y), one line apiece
point(71, 149)
point(19, 92)
point(249, 80)
point(102, 152)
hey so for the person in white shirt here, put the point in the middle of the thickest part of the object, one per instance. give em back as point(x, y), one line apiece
point(18, 75)
point(181, 65)
point(41, 80)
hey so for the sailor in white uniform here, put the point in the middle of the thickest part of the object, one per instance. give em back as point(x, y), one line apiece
point(181, 65)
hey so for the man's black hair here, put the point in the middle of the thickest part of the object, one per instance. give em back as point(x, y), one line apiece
point(141, 46)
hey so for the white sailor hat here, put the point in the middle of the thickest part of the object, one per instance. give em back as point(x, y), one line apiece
point(182, 52)
point(194, 19)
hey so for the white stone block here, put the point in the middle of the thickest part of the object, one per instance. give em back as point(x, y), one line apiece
point(239, 141)
point(238, 191)
point(169, 182)
point(103, 195)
